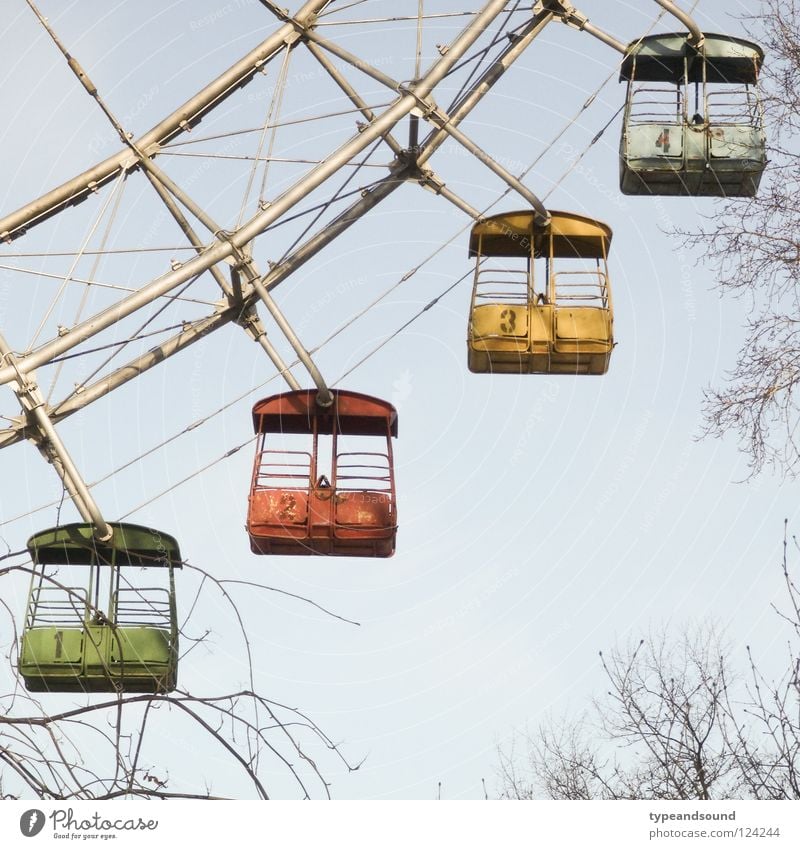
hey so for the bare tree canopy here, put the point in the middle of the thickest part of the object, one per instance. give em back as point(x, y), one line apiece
point(675, 723)
point(753, 244)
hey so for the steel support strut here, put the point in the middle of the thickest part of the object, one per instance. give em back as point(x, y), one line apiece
point(443, 122)
point(30, 397)
point(351, 93)
point(409, 170)
point(248, 317)
point(190, 334)
point(569, 15)
point(483, 85)
point(351, 59)
point(429, 111)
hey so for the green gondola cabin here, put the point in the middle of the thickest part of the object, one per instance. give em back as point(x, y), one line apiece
point(693, 123)
point(105, 633)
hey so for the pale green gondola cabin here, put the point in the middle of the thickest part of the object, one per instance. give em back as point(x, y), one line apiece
point(693, 122)
point(541, 297)
point(93, 622)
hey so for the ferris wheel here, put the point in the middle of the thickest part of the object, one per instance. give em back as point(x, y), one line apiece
point(304, 171)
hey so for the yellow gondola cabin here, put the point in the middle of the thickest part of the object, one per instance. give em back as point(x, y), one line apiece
point(541, 299)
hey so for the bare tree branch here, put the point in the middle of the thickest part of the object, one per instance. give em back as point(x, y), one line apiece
point(753, 245)
point(675, 723)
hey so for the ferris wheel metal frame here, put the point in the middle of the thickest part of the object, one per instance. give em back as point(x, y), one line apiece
point(228, 254)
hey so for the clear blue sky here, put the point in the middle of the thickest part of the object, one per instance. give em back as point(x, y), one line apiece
point(541, 518)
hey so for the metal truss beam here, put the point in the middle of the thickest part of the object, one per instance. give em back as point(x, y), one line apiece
point(484, 84)
point(443, 122)
point(403, 172)
point(352, 59)
point(227, 246)
point(406, 169)
point(252, 324)
point(570, 16)
point(351, 93)
point(183, 118)
point(190, 334)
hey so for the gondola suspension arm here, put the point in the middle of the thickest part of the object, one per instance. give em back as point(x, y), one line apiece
point(442, 121)
point(32, 400)
point(696, 37)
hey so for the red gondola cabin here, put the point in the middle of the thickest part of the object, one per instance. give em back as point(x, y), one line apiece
point(323, 477)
